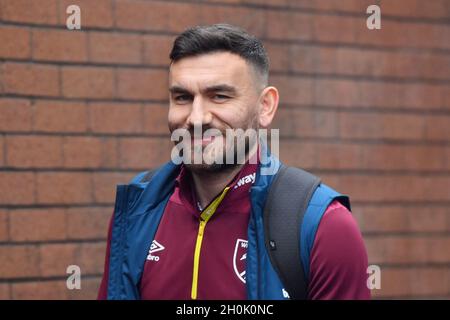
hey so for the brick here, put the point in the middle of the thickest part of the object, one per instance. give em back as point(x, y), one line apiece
point(88, 291)
point(327, 92)
point(437, 128)
point(293, 153)
point(251, 19)
point(280, 56)
point(397, 218)
point(416, 9)
point(320, 60)
point(30, 79)
point(322, 27)
point(141, 15)
point(37, 224)
point(431, 282)
point(87, 82)
point(88, 223)
point(155, 119)
point(235, 1)
point(369, 94)
point(447, 157)
point(15, 42)
point(408, 250)
point(157, 49)
point(55, 258)
point(142, 84)
point(376, 157)
point(308, 59)
point(379, 63)
point(64, 188)
point(60, 116)
point(40, 290)
point(29, 11)
point(105, 184)
point(5, 291)
point(297, 122)
point(115, 118)
point(4, 226)
point(325, 29)
point(109, 48)
point(293, 90)
point(59, 45)
point(2, 151)
point(388, 126)
point(93, 13)
point(352, 61)
point(436, 187)
point(34, 151)
point(159, 16)
point(144, 153)
point(404, 34)
point(184, 15)
point(89, 152)
point(17, 188)
point(15, 115)
point(110, 158)
point(81, 152)
point(385, 188)
point(424, 96)
point(367, 62)
point(390, 35)
point(428, 65)
point(338, 156)
point(290, 25)
point(333, 6)
point(23, 261)
point(399, 157)
point(412, 282)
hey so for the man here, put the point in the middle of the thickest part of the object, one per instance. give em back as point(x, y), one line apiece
point(195, 230)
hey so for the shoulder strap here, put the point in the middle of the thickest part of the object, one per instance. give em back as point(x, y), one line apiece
point(287, 201)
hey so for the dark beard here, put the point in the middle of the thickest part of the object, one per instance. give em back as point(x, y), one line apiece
point(224, 166)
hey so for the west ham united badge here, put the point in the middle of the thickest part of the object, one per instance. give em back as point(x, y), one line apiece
point(239, 258)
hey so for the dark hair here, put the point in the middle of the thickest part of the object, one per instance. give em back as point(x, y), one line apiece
point(222, 37)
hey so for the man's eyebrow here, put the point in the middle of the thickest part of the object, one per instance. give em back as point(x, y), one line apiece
point(178, 89)
point(221, 88)
point(214, 88)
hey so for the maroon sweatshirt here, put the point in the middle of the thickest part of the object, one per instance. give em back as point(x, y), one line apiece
point(337, 266)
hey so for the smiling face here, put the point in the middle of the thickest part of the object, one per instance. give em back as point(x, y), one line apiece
point(218, 90)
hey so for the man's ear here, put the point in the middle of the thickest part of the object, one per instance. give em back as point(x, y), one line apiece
point(268, 101)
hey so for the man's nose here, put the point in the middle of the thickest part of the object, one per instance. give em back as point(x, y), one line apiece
point(199, 114)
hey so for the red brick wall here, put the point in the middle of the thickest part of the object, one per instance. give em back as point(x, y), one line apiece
point(81, 111)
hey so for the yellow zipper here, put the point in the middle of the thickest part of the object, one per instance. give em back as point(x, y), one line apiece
point(204, 218)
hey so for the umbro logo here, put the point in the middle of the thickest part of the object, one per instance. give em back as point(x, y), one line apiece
point(155, 247)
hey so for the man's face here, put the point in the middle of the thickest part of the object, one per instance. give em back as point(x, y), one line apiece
point(212, 91)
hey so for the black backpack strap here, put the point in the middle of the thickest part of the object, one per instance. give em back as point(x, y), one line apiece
point(287, 201)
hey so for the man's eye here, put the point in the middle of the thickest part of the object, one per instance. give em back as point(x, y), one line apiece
point(220, 97)
point(182, 98)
